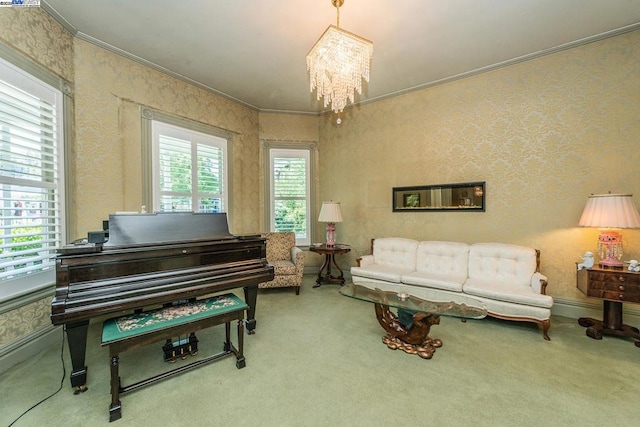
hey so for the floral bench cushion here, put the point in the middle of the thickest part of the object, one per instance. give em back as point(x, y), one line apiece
point(140, 323)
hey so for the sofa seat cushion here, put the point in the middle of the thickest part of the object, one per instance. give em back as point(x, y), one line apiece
point(507, 292)
point(283, 267)
point(447, 282)
point(514, 311)
point(380, 272)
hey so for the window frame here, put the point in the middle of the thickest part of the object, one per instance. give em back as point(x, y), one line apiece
point(22, 290)
point(150, 159)
point(290, 147)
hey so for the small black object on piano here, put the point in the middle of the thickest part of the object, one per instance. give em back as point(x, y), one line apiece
point(97, 237)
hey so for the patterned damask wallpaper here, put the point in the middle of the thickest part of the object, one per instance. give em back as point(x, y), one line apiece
point(35, 34)
point(109, 93)
point(543, 134)
point(24, 320)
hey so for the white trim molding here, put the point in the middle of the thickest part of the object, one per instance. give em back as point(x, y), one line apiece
point(29, 345)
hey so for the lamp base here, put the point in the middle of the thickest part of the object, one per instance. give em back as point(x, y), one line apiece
point(610, 263)
point(331, 234)
point(610, 248)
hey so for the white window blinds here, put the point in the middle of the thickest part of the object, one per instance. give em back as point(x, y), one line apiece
point(290, 192)
point(189, 174)
point(31, 174)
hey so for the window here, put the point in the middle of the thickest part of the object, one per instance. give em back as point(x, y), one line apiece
point(290, 189)
point(189, 165)
point(32, 180)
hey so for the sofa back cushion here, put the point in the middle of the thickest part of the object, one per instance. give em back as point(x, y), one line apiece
point(446, 258)
point(502, 262)
point(395, 252)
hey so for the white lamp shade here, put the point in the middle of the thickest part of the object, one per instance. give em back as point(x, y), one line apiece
point(610, 211)
point(330, 212)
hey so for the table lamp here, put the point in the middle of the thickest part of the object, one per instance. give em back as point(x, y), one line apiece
point(610, 211)
point(330, 213)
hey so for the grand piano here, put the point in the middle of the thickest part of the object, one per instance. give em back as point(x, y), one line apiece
point(149, 260)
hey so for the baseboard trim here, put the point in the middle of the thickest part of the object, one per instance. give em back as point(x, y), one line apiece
point(28, 346)
point(576, 309)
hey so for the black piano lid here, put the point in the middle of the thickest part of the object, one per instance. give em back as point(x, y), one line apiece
point(126, 230)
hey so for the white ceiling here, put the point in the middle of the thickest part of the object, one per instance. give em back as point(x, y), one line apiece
point(254, 50)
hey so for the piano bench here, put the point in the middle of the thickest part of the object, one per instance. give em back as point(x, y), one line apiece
point(136, 330)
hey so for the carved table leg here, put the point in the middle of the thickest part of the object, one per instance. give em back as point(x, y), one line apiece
point(328, 276)
point(340, 278)
point(413, 339)
point(327, 264)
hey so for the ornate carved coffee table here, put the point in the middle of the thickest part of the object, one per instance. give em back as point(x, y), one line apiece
point(409, 329)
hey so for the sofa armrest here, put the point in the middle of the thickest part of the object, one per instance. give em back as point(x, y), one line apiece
point(539, 283)
point(365, 260)
point(297, 257)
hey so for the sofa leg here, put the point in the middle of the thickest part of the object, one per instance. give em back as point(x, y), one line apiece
point(297, 290)
point(546, 324)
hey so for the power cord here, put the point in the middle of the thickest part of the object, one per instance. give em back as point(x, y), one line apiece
point(64, 374)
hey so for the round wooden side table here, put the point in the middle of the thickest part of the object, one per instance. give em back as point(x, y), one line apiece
point(329, 253)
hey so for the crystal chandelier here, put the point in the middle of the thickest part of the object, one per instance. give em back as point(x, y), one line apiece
point(337, 63)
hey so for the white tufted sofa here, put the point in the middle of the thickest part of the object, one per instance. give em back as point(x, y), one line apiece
point(505, 278)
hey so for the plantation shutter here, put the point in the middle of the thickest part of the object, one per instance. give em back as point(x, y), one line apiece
point(290, 189)
point(190, 173)
point(211, 178)
point(30, 174)
point(175, 174)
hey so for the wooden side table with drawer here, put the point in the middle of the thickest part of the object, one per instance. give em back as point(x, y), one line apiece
point(614, 286)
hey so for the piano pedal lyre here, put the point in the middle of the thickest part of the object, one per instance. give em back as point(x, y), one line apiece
point(169, 352)
point(193, 344)
point(180, 348)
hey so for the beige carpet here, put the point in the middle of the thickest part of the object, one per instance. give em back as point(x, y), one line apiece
point(317, 360)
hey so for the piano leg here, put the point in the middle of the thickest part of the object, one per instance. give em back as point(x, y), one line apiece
point(250, 297)
point(77, 339)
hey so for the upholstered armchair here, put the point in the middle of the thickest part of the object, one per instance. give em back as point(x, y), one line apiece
point(286, 259)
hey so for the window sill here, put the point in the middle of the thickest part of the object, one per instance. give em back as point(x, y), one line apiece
point(23, 291)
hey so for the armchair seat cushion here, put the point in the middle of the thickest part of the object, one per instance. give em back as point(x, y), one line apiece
point(281, 268)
